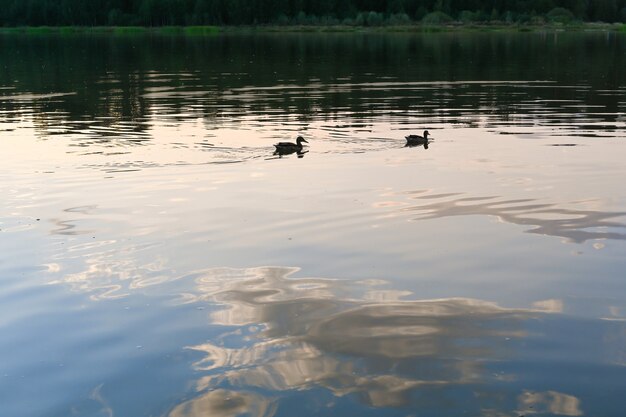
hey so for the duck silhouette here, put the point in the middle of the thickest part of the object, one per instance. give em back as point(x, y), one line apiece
point(417, 140)
point(286, 148)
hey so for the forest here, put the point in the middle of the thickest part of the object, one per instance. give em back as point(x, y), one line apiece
point(303, 12)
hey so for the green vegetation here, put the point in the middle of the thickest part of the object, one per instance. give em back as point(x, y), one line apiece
point(126, 30)
point(369, 13)
point(200, 30)
point(115, 30)
point(437, 18)
point(213, 30)
point(424, 26)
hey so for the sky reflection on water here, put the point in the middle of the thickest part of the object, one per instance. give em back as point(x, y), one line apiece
point(377, 346)
point(159, 260)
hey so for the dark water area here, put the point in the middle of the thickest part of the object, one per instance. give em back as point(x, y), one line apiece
point(122, 79)
point(159, 258)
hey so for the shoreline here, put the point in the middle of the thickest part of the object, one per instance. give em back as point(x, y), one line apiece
point(213, 30)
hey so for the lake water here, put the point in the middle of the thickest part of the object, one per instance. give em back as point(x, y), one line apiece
point(157, 259)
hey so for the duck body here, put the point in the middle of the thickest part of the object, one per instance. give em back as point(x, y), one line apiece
point(285, 148)
point(417, 139)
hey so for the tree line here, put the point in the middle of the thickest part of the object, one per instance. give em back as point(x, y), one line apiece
point(301, 12)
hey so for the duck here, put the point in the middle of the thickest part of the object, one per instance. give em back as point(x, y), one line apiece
point(417, 139)
point(413, 141)
point(285, 148)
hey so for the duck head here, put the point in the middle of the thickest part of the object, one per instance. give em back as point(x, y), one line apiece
point(300, 139)
point(426, 134)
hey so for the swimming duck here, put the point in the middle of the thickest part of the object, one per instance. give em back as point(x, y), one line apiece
point(285, 148)
point(417, 139)
point(413, 141)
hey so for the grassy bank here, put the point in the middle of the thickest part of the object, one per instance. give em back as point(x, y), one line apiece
point(212, 30)
point(113, 30)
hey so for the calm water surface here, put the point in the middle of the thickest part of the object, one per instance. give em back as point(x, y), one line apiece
point(156, 258)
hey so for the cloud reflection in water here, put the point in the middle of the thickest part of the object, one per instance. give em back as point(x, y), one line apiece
point(307, 334)
point(224, 403)
point(547, 218)
point(551, 402)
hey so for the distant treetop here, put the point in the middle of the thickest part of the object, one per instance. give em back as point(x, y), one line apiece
point(302, 12)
